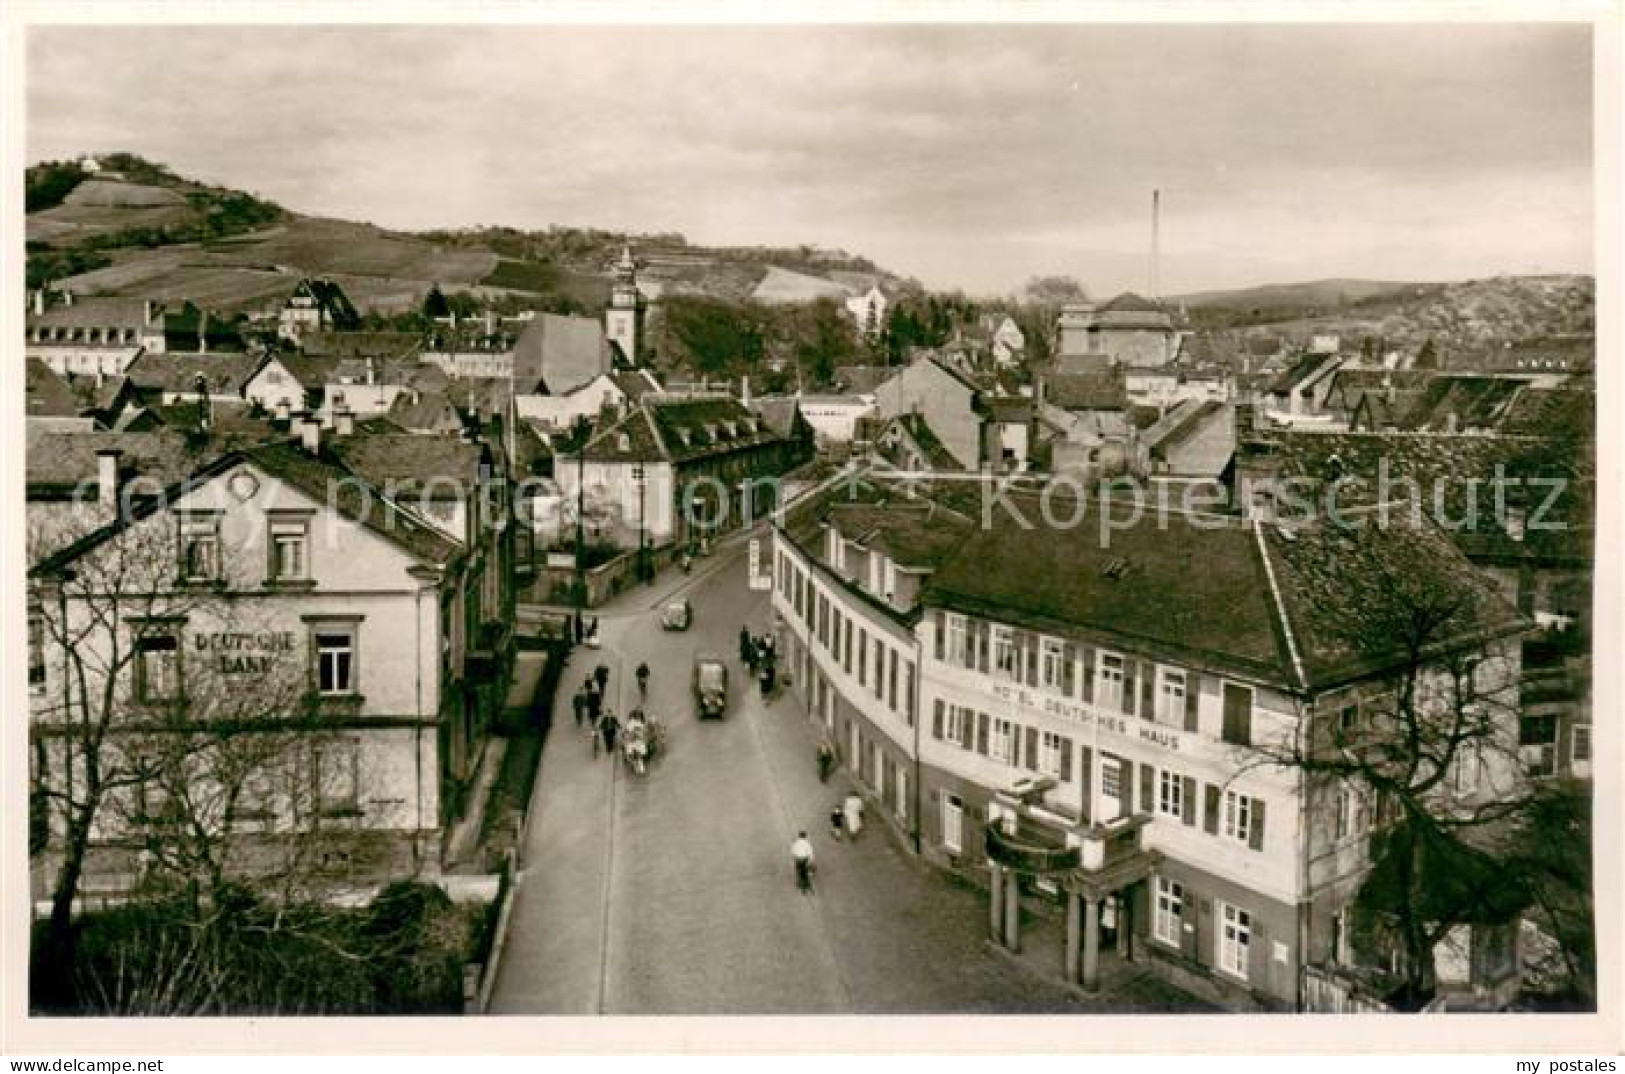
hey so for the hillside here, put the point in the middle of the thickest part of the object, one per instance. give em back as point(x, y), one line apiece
point(1316, 294)
point(135, 229)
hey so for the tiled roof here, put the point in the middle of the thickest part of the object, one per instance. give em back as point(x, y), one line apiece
point(1129, 302)
point(1009, 410)
point(561, 352)
point(310, 370)
point(937, 456)
point(1450, 403)
point(862, 379)
point(1104, 390)
point(635, 383)
point(226, 373)
point(1539, 410)
point(409, 461)
point(97, 393)
point(47, 394)
point(94, 313)
point(361, 344)
point(232, 420)
point(1338, 597)
point(913, 534)
point(781, 414)
point(65, 460)
point(1183, 421)
point(424, 411)
point(1308, 368)
point(1349, 385)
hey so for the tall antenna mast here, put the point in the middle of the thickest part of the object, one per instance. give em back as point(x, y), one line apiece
point(1156, 213)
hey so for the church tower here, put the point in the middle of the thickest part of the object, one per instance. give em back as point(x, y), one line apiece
point(623, 320)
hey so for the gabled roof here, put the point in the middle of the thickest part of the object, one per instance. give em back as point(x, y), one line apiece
point(310, 370)
point(914, 534)
point(226, 373)
point(1103, 390)
point(1450, 403)
point(361, 344)
point(1304, 372)
point(924, 438)
point(98, 393)
point(233, 420)
point(1009, 410)
point(321, 478)
point(424, 412)
point(1183, 421)
point(561, 352)
point(635, 383)
point(861, 379)
point(47, 395)
point(781, 414)
point(1129, 302)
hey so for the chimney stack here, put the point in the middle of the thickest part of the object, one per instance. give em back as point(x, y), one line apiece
point(107, 477)
point(310, 433)
point(344, 422)
point(744, 390)
point(203, 332)
point(39, 302)
point(283, 411)
point(1156, 225)
point(67, 297)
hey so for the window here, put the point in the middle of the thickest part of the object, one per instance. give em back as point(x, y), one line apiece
point(953, 812)
point(335, 661)
point(337, 773)
point(289, 541)
point(254, 807)
point(1109, 682)
point(1049, 753)
point(157, 668)
point(880, 669)
point(953, 724)
point(1171, 696)
point(863, 657)
point(1111, 778)
point(891, 679)
point(1055, 665)
point(1348, 723)
point(200, 548)
point(1235, 939)
point(1243, 818)
point(1004, 652)
point(1003, 746)
point(1580, 748)
point(1342, 810)
point(1170, 906)
point(36, 650)
point(900, 787)
point(1238, 715)
point(1170, 794)
point(957, 650)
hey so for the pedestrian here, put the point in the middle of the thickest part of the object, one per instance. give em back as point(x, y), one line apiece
point(853, 807)
point(595, 705)
point(826, 762)
point(767, 680)
point(595, 734)
point(579, 703)
point(576, 631)
point(643, 678)
point(609, 726)
point(600, 674)
point(837, 821)
point(801, 852)
point(744, 644)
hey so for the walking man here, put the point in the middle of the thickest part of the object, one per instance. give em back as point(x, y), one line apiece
point(579, 703)
point(801, 852)
point(826, 762)
point(610, 726)
point(600, 675)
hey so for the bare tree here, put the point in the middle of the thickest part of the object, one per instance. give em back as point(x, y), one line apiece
point(1428, 736)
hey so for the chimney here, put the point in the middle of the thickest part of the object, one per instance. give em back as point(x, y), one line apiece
point(310, 433)
point(283, 411)
point(107, 482)
point(39, 302)
point(744, 390)
point(344, 422)
point(146, 313)
point(1156, 222)
point(202, 332)
point(490, 322)
point(67, 297)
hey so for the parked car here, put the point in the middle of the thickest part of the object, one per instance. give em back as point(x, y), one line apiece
point(678, 615)
point(710, 685)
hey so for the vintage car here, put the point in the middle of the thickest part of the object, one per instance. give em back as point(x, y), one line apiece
point(710, 685)
point(677, 615)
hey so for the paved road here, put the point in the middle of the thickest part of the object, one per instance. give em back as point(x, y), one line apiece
point(673, 893)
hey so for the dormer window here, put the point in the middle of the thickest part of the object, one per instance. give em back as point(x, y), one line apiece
point(623, 442)
point(732, 429)
point(710, 432)
point(686, 436)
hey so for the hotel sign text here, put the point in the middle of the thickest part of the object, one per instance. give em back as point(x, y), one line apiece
point(1123, 726)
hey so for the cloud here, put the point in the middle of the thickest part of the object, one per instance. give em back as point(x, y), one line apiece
point(947, 152)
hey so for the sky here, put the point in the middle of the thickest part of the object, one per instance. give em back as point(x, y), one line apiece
point(970, 157)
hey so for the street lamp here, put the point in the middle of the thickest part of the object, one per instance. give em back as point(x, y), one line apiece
point(643, 547)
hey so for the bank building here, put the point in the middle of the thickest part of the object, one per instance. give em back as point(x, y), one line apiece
point(275, 651)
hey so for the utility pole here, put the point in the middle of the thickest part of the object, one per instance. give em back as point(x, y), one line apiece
point(582, 430)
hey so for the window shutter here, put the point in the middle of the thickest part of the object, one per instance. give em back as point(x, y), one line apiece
point(982, 646)
point(1148, 789)
point(1032, 749)
point(1069, 669)
point(1210, 809)
point(1086, 780)
point(1088, 675)
point(981, 733)
point(1187, 802)
point(939, 625)
point(936, 718)
point(1031, 645)
point(1255, 838)
point(1066, 760)
point(1125, 792)
point(1148, 691)
point(1129, 686)
point(1193, 685)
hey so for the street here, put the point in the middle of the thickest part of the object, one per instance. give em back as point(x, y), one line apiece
point(673, 893)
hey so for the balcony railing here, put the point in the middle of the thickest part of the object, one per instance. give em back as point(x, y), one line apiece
point(1030, 848)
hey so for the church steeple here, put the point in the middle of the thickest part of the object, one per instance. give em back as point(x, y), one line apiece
point(623, 320)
